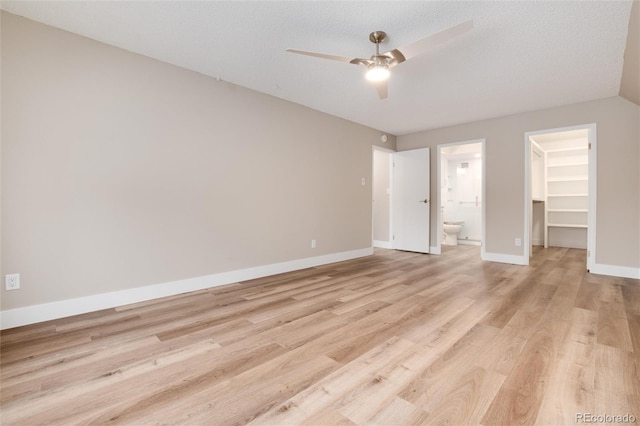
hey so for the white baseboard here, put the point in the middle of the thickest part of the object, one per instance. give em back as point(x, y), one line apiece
point(469, 243)
point(382, 244)
point(64, 308)
point(504, 258)
point(615, 271)
point(434, 250)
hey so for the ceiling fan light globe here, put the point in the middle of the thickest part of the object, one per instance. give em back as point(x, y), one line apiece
point(378, 73)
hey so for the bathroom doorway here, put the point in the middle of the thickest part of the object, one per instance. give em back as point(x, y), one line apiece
point(461, 194)
point(560, 189)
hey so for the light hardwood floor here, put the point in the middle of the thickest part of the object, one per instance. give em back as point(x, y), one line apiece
point(393, 338)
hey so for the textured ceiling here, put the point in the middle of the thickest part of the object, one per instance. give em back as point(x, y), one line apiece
point(520, 56)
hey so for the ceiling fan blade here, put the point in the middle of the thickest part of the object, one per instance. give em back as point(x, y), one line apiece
point(358, 61)
point(421, 46)
point(321, 55)
point(395, 57)
point(382, 87)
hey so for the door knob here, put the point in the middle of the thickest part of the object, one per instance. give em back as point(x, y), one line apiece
point(426, 201)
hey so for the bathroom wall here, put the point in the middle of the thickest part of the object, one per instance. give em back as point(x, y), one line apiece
point(463, 195)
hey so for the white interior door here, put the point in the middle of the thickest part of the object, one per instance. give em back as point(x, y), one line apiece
point(411, 200)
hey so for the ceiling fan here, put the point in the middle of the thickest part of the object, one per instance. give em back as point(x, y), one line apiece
point(379, 64)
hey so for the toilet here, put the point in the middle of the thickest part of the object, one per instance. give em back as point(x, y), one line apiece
point(451, 229)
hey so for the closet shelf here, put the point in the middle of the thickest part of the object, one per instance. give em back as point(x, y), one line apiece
point(575, 163)
point(583, 149)
point(567, 179)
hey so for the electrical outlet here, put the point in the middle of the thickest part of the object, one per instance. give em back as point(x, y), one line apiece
point(518, 242)
point(313, 243)
point(12, 281)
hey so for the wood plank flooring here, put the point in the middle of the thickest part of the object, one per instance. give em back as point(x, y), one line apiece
point(393, 338)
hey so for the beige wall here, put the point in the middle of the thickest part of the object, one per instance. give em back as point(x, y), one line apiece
point(618, 176)
point(630, 82)
point(119, 171)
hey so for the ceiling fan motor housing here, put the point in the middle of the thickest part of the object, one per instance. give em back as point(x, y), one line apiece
point(377, 36)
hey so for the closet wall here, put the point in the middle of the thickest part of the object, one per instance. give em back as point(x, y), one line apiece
point(538, 191)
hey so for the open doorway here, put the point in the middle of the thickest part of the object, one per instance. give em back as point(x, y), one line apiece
point(461, 194)
point(560, 189)
point(381, 197)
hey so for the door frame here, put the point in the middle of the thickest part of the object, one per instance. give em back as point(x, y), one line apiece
point(438, 247)
point(591, 214)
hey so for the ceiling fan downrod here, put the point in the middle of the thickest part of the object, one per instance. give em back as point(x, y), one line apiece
point(378, 69)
